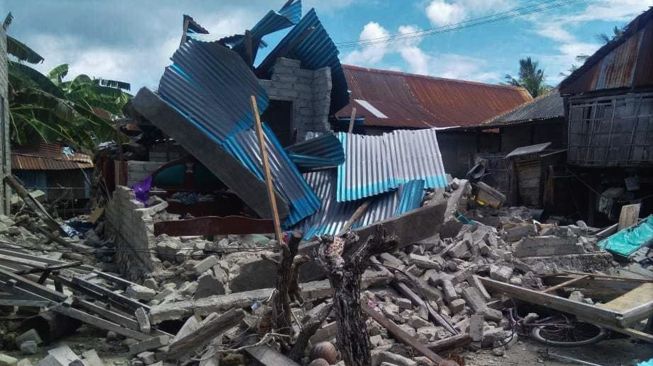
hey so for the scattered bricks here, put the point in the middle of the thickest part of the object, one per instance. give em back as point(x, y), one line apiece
point(457, 305)
point(541, 246)
point(30, 335)
point(148, 344)
point(449, 291)
point(208, 285)
point(500, 273)
point(7, 360)
point(139, 292)
point(143, 320)
point(460, 250)
point(492, 314)
point(515, 233)
point(417, 322)
point(476, 323)
point(474, 299)
point(206, 264)
point(29, 347)
point(423, 262)
point(147, 357)
point(390, 260)
point(404, 303)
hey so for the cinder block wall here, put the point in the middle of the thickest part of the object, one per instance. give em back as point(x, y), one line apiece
point(130, 223)
point(309, 91)
point(139, 170)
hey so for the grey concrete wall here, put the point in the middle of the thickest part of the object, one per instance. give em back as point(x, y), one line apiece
point(130, 223)
point(309, 91)
point(139, 170)
point(5, 151)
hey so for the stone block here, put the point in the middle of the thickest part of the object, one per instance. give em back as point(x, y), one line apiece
point(500, 273)
point(139, 292)
point(208, 285)
point(476, 324)
point(517, 232)
point(29, 335)
point(541, 246)
point(206, 264)
point(29, 347)
point(474, 299)
point(423, 261)
point(457, 305)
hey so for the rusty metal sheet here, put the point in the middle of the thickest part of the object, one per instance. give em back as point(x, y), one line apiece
point(419, 101)
point(45, 156)
point(214, 225)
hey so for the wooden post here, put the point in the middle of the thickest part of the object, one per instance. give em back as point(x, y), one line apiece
point(266, 171)
point(352, 119)
point(355, 216)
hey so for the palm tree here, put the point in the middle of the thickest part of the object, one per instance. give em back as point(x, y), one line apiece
point(47, 108)
point(616, 33)
point(531, 77)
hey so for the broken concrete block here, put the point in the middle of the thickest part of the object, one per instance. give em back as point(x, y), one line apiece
point(492, 314)
point(460, 250)
point(576, 296)
point(494, 335)
point(457, 305)
point(474, 299)
point(208, 285)
point(417, 322)
point(29, 347)
point(91, 358)
point(391, 260)
point(139, 292)
point(143, 320)
point(404, 303)
point(29, 335)
point(449, 290)
point(476, 324)
point(542, 246)
point(476, 282)
point(500, 273)
point(516, 280)
point(205, 264)
point(423, 261)
point(151, 283)
point(6, 360)
point(517, 232)
point(60, 356)
point(414, 270)
point(147, 357)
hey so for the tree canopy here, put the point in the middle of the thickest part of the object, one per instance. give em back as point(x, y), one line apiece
point(531, 77)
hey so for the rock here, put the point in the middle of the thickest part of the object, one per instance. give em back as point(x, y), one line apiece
point(151, 283)
point(188, 288)
point(29, 347)
point(29, 335)
point(139, 292)
point(457, 305)
point(7, 360)
point(205, 264)
point(500, 273)
point(208, 285)
point(576, 296)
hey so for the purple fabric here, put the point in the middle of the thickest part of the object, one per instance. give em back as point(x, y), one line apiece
point(142, 189)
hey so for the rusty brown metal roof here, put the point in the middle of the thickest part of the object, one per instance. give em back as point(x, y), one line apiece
point(44, 156)
point(545, 107)
point(625, 62)
point(401, 100)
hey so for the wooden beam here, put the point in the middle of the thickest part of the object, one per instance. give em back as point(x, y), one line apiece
point(554, 302)
point(33, 286)
point(205, 334)
point(352, 120)
point(565, 284)
point(99, 322)
point(458, 340)
point(266, 172)
point(225, 167)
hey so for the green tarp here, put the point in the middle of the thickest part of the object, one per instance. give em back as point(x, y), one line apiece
point(629, 240)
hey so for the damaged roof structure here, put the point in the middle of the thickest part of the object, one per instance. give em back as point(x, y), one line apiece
point(204, 97)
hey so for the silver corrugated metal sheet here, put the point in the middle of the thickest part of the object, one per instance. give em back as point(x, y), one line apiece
point(378, 164)
point(333, 215)
point(211, 86)
point(310, 43)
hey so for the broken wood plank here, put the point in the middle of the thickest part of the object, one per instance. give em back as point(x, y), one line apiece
point(148, 344)
point(120, 300)
point(143, 321)
point(269, 357)
point(401, 335)
point(98, 322)
point(635, 305)
point(110, 315)
point(586, 311)
point(458, 340)
point(204, 334)
point(565, 284)
point(629, 215)
point(33, 286)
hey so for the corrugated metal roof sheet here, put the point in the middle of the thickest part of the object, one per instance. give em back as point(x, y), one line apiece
point(547, 106)
point(44, 156)
point(621, 63)
point(310, 43)
point(377, 164)
point(419, 101)
point(333, 215)
point(321, 152)
point(211, 86)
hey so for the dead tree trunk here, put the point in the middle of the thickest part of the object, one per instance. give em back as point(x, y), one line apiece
point(286, 284)
point(345, 258)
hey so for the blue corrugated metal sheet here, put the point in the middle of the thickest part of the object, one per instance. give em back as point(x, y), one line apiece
point(377, 164)
point(211, 86)
point(318, 153)
point(333, 215)
point(310, 43)
point(292, 10)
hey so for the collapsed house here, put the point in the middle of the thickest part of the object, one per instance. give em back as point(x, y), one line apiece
point(432, 270)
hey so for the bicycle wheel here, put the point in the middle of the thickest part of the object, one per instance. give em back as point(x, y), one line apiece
point(572, 334)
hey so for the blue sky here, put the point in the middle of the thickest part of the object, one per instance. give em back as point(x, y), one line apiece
point(133, 40)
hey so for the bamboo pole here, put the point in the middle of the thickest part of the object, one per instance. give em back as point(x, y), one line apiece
point(266, 172)
point(352, 119)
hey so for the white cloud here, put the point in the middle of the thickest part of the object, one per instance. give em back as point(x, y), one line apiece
point(415, 58)
point(373, 52)
point(612, 10)
point(446, 12)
